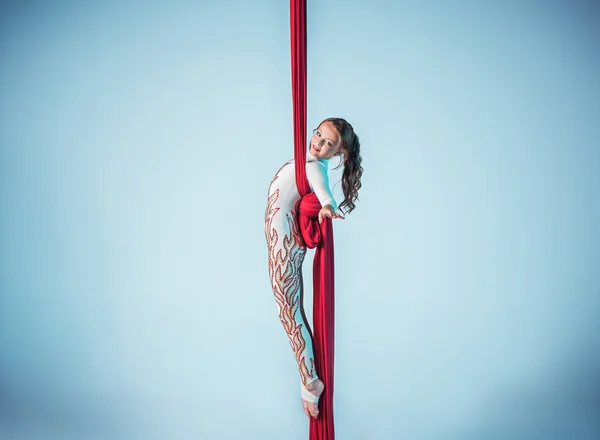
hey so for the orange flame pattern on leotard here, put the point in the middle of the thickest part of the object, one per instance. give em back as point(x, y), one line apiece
point(285, 272)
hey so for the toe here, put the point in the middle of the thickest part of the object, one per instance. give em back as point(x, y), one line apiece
point(313, 409)
point(305, 404)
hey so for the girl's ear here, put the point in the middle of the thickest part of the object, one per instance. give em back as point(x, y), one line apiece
point(341, 152)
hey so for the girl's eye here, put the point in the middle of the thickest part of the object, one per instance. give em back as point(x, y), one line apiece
point(318, 133)
point(329, 143)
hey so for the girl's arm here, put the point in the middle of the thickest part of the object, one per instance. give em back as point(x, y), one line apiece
point(316, 174)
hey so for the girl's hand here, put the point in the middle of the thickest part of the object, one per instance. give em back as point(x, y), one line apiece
point(328, 211)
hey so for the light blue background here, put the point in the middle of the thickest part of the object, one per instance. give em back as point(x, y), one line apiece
point(138, 140)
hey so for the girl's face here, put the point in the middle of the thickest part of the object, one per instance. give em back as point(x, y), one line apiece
point(325, 141)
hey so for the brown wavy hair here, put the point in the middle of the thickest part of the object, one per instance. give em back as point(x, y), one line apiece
point(351, 160)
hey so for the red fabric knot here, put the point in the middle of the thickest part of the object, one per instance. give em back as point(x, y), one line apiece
point(308, 217)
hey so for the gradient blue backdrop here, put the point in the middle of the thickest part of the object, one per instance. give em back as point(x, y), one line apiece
point(138, 140)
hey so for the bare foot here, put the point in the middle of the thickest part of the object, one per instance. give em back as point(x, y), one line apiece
point(312, 409)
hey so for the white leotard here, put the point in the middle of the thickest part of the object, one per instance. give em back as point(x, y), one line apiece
point(287, 251)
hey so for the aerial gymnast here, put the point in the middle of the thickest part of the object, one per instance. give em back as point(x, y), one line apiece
point(286, 248)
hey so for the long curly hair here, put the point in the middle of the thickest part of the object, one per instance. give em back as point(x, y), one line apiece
point(351, 161)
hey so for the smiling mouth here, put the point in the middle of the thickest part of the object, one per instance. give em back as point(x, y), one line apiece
point(315, 148)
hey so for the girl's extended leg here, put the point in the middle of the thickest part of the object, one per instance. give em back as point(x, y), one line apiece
point(286, 255)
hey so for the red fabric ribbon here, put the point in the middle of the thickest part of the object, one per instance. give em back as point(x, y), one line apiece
point(314, 234)
point(309, 220)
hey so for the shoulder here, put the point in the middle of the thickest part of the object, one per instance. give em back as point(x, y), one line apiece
point(316, 165)
point(316, 171)
point(316, 168)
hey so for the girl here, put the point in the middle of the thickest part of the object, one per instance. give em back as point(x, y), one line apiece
point(333, 137)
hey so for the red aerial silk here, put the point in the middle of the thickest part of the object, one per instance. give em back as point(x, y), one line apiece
point(314, 234)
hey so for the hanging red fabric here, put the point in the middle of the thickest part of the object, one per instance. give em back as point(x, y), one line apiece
point(314, 234)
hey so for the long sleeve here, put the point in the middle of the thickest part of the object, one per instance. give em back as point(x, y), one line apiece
point(316, 173)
